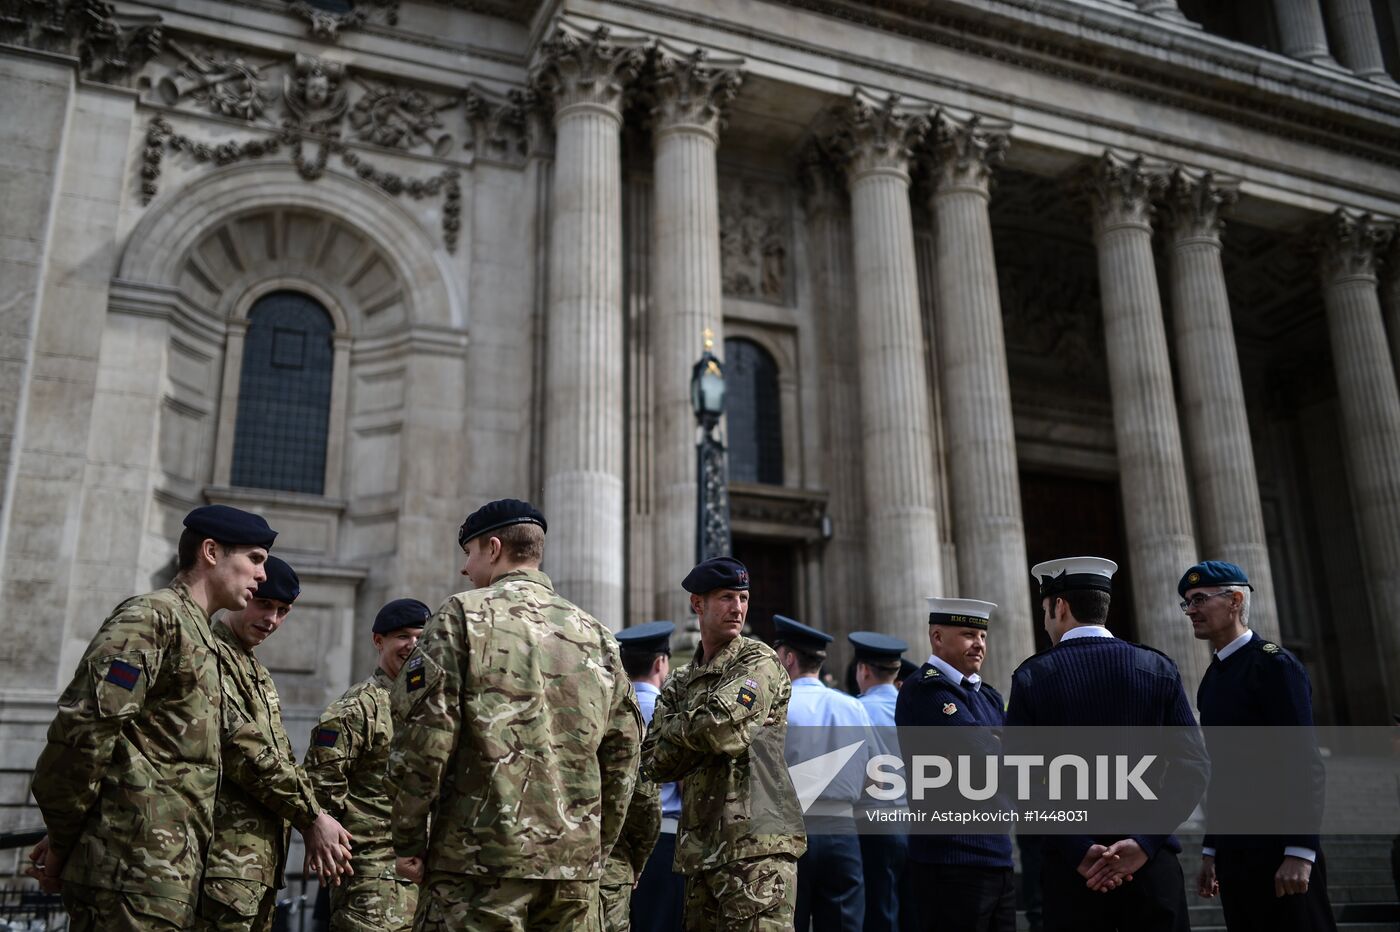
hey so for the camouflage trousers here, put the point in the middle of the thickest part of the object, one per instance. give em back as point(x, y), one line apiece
point(96, 909)
point(373, 904)
point(615, 906)
point(752, 895)
point(450, 902)
point(227, 904)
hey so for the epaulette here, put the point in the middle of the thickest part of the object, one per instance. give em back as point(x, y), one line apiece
point(1269, 647)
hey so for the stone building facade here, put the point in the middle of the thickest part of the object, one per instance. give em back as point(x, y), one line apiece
point(997, 281)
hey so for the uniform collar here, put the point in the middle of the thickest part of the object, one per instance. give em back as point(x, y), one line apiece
point(725, 653)
point(1225, 652)
point(382, 678)
point(642, 686)
point(224, 633)
point(183, 591)
point(534, 576)
point(807, 682)
point(1086, 631)
point(953, 673)
point(883, 689)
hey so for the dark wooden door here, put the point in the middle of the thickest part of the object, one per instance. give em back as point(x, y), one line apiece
point(772, 581)
point(1069, 516)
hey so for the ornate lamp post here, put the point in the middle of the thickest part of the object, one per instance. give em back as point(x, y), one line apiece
point(707, 401)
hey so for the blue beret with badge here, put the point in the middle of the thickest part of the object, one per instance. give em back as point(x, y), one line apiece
point(401, 613)
point(876, 647)
point(716, 573)
point(230, 526)
point(498, 514)
point(654, 637)
point(1212, 573)
point(792, 633)
point(281, 584)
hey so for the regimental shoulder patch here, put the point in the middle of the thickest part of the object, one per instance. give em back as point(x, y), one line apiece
point(415, 661)
point(326, 737)
point(747, 697)
point(123, 674)
point(949, 708)
point(417, 678)
point(1269, 647)
point(751, 684)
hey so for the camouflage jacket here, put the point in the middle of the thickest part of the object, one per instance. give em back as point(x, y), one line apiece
point(127, 780)
point(263, 789)
point(346, 760)
point(639, 832)
point(517, 728)
point(719, 728)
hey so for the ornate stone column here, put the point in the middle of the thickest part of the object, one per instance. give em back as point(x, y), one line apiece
point(896, 428)
point(1301, 31)
point(1230, 517)
point(981, 439)
point(584, 76)
point(690, 94)
point(1370, 405)
point(1151, 464)
point(1357, 40)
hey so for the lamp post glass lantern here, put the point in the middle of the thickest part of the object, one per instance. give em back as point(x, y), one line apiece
point(707, 401)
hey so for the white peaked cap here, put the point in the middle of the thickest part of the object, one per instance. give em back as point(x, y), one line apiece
point(960, 607)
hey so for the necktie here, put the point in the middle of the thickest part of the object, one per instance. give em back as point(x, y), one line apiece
point(966, 683)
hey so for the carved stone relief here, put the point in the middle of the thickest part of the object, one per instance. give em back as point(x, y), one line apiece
point(327, 26)
point(222, 81)
point(755, 230)
point(111, 46)
point(400, 118)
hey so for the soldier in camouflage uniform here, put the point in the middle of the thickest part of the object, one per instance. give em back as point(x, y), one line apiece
point(263, 789)
point(629, 857)
point(346, 759)
point(127, 781)
point(516, 727)
point(719, 726)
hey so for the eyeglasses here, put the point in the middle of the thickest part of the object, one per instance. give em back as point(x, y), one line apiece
point(1201, 598)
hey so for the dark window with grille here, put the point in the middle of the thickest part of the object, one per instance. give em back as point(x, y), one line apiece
point(754, 412)
point(284, 396)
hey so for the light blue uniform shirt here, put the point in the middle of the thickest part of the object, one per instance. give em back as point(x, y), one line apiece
point(670, 792)
point(879, 704)
point(815, 704)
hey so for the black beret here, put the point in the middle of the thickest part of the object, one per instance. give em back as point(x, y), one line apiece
point(498, 514)
point(1212, 573)
point(401, 613)
point(281, 584)
point(716, 573)
point(654, 637)
point(795, 634)
point(232, 526)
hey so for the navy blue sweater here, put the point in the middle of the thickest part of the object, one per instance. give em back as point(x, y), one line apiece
point(1107, 681)
point(1262, 684)
point(923, 699)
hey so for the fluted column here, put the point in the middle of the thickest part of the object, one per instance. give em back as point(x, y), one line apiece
point(1151, 464)
point(690, 93)
point(981, 439)
point(1370, 404)
point(584, 74)
point(1230, 517)
point(1301, 31)
point(901, 519)
point(1356, 38)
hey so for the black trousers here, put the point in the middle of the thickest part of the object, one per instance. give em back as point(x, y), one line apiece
point(831, 885)
point(955, 898)
point(883, 859)
point(1153, 901)
point(1246, 878)
point(659, 900)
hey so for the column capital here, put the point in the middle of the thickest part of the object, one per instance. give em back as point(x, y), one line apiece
point(1195, 200)
point(878, 136)
point(1351, 245)
point(1122, 189)
point(691, 89)
point(965, 150)
point(578, 68)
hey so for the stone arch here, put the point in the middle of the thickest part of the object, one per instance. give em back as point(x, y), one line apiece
point(238, 229)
